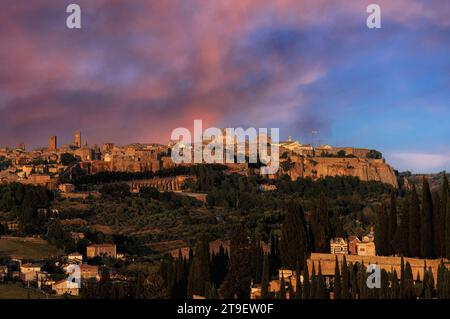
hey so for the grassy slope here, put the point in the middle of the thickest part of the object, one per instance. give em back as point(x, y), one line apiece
point(27, 249)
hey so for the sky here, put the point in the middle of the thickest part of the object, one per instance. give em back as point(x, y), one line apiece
point(138, 69)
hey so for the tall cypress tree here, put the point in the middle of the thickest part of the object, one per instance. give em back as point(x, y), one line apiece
point(254, 259)
point(321, 290)
point(395, 287)
point(402, 236)
point(337, 281)
point(384, 292)
point(238, 279)
point(382, 231)
point(282, 287)
point(426, 222)
point(439, 282)
point(438, 235)
point(392, 228)
point(408, 283)
point(402, 278)
point(428, 284)
point(414, 224)
point(265, 278)
point(306, 283)
point(199, 273)
point(345, 294)
point(298, 283)
point(320, 226)
point(313, 291)
point(354, 281)
point(274, 256)
point(361, 277)
point(294, 239)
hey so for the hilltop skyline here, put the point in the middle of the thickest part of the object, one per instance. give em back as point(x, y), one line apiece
point(136, 71)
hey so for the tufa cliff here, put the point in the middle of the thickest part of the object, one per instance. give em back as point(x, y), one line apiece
point(316, 167)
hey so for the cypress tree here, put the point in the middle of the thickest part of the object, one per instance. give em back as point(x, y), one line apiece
point(402, 278)
point(292, 294)
point(395, 287)
point(294, 239)
point(426, 222)
point(345, 294)
point(384, 292)
point(320, 226)
point(419, 286)
point(219, 266)
point(354, 279)
point(443, 282)
point(414, 224)
point(282, 287)
point(337, 281)
point(265, 278)
point(361, 277)
point(253, 258)
point(402, 236)
point(392, 226)
point(306, 283)
point(298, 283)
point(437, 225)
point(238, 279)
point(382, 228)
point(428, 284)
point(274, 258)
point(313, 291)
point(321, 289)
point(439, 280)
point(408, 283)
point(199, 273)
point(259, 262)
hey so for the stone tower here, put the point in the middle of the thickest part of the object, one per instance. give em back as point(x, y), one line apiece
point(52, 143)
point(77, 140)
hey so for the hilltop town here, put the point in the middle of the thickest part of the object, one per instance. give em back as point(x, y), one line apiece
point(56, 166)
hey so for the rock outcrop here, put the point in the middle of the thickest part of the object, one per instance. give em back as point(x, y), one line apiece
point(364, 168)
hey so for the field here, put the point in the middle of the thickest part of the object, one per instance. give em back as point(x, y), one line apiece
point(27, 248)
point(15, 291)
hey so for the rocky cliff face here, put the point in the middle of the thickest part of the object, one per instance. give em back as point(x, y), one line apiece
point(364, 168)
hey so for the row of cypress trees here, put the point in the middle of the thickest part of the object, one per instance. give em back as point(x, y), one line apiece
point(350, 282)
point(423, 229)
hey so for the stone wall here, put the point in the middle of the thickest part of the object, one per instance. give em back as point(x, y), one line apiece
point(328, 262)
